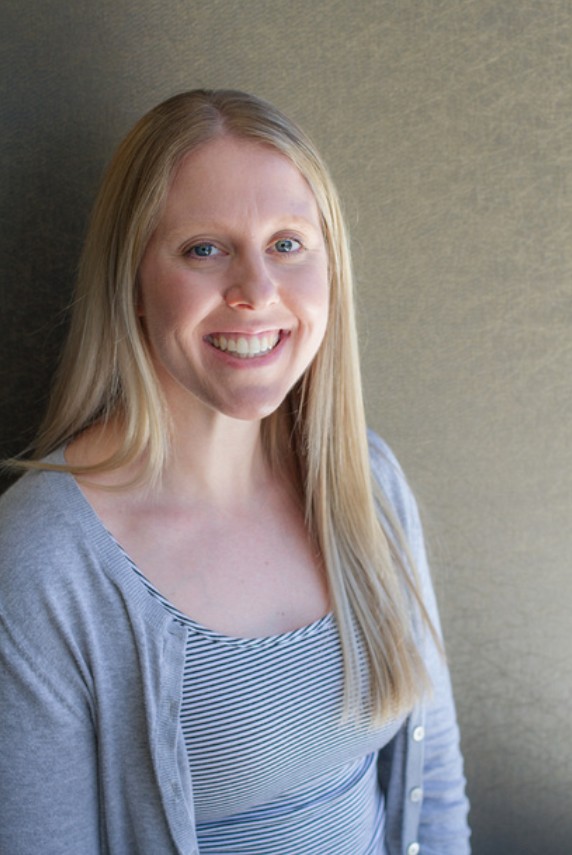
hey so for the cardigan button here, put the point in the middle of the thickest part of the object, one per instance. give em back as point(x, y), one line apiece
point(416, 794)
point(418, 733)
point(413, 849)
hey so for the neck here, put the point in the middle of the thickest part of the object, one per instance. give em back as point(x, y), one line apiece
point(218, 461)
point(213, 459)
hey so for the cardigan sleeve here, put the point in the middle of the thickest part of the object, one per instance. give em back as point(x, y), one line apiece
point(48, 757)
point(422, 771)
point(49, 793)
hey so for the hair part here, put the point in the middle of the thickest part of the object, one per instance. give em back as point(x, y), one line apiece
point(106, 372)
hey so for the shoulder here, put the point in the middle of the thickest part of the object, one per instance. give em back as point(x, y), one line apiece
point(42, 590)
point(67, 594)
point(38, 515)
point(399, 511)
point(57, 559)
point(52, 552)
point(385, 468)
point(400, 502)
point(31, 515)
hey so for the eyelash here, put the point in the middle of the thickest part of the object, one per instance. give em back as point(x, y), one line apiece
point(192, 250)
point(291, 240)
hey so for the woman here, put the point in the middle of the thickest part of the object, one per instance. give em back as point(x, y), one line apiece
point(219, 633)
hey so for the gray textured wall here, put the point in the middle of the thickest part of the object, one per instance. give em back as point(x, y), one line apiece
point(447, 127)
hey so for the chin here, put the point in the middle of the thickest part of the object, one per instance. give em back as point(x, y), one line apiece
point(252, 408)
point(250, 413)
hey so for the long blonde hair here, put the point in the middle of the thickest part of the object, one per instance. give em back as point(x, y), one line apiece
point(105, 371)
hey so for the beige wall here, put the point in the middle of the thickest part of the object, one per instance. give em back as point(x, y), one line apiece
point(447, 127)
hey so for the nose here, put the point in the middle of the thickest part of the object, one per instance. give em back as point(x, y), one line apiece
point(252, 284)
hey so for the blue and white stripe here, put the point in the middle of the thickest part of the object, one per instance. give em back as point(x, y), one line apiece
point(275, 770)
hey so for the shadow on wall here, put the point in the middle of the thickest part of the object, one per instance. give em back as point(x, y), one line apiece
point(43, 215)
point(58, 129)
point(500, 829)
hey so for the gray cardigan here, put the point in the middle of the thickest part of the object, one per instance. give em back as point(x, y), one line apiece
point(93, 760)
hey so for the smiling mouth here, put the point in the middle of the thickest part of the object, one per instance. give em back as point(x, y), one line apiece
point(245, 347)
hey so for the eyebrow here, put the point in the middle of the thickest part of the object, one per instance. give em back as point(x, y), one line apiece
point(218, 225)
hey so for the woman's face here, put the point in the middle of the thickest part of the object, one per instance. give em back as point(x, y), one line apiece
point(233, 285)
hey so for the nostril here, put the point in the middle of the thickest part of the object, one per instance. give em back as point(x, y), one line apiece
point(252, 294)
point(237, 301)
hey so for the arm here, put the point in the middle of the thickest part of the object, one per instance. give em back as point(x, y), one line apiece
point(422, 772)
point(48, 765)
point(48, 780)
point(443, 828)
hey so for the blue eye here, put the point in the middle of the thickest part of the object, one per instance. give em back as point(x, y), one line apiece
point(202, 250)
point(287, 245)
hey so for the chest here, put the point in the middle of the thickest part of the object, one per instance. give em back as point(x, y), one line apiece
point(262, 720)
point(243, 572)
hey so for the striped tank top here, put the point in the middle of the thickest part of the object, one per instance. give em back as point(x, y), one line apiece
point(275, 770)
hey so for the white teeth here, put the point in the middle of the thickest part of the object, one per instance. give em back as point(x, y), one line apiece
point(246, 348)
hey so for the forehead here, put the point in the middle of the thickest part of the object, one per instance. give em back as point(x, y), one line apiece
point(232, 174)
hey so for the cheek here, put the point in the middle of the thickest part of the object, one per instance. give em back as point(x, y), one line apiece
point(166, 303)
point(161, 290)
point(312, 308)
point(322, 305)
point(318, 302)
point(311, 292)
